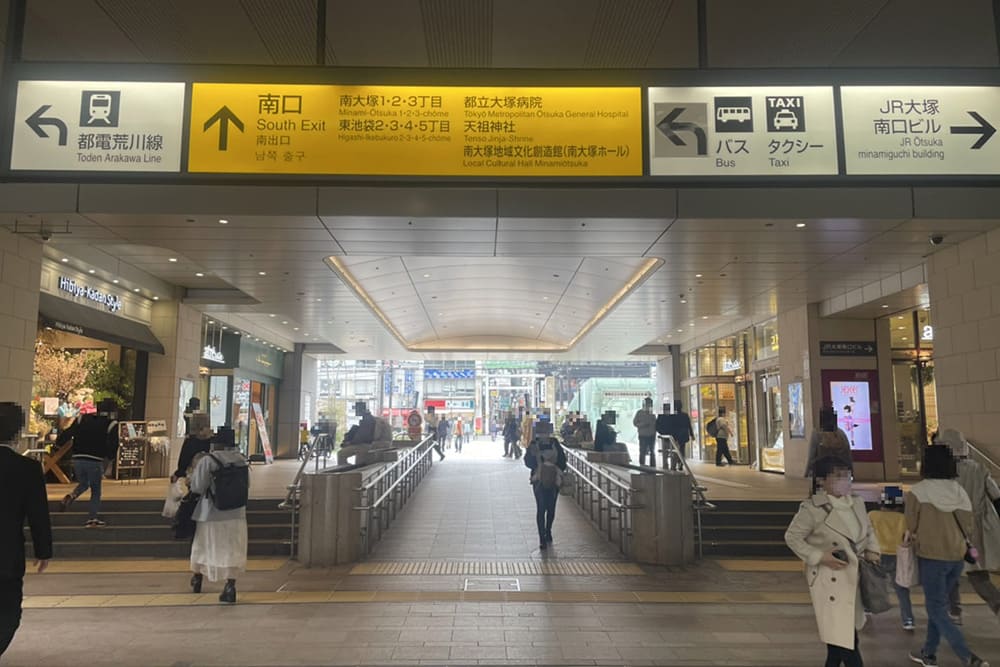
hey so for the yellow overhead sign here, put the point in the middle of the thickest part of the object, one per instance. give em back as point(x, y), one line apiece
point(251, 128)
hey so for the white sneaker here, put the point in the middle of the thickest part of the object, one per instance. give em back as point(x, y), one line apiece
point(909, 626)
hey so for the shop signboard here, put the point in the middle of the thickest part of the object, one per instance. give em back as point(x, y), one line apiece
point(742, 131)
point(98, 126)
point(109, 300)
point(133, 443)
point(265, 440)
point(847, 348)
point(459, 404)
point(920, 129)
point(273, 128)
point(449, 374)
point(257, 358)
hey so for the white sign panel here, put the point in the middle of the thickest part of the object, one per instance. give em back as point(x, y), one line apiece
point(921, 129)
point(98, 126)
point(742, 131)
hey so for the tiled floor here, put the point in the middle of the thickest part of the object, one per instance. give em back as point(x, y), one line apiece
point(475, 507)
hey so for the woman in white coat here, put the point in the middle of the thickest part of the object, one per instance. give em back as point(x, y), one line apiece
point(829, 533)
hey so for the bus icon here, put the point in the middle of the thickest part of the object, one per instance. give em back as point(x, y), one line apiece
point(99, 108)
point(734, 114)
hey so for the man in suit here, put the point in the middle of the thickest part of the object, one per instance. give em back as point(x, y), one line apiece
point(22, 496)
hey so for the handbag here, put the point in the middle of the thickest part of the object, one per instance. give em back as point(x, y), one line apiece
point(873, 580)
point(175, 492)
point(907, 568)
point(184, 525)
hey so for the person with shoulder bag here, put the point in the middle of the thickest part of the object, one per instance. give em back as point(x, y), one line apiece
point(219, 550)
point(831, 533)
point(95, 441)
point(984, 494)
point(547, 461)
point(939, 518)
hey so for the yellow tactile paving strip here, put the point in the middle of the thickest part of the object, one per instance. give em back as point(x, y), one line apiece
point(147, 566)
point(327, 597)
point(739, 565)
point(498, 568)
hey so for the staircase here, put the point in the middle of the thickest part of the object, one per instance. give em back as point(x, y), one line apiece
point(136, 530)
point(748, 528)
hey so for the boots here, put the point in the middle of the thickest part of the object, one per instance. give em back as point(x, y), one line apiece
point(196, 580)
point(228, 594)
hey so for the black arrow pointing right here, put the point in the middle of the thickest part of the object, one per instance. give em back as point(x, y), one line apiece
point(224, 117)
point(669, 126)
point(984, 129)
point(35, 121)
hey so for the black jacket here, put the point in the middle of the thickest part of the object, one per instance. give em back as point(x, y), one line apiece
point(192, 447)
point(605, 436)
point(681, 425)
point(511, 431)
point(93, 437)
point(531, 454)
point(22, 496)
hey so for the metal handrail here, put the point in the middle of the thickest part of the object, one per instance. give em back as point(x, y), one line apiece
point(613, 479)
point(608, 476)
point(984, 456)
point(607, 499)
point(700, 503)
point(392, 487)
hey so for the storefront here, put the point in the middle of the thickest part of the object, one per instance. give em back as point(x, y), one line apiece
point(240, 378)
point(914, 389)
point(93, 342)
point(768, 406)
point(451, 391)
point(718, 377)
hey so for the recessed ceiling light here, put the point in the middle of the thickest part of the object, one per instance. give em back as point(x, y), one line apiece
point(284, 321)
point(680, 331)
point(697, 275)
point(800, 225)
point(684, 300)
point(905, 338)
point(136, 289)
point(305, 334)
point(172, 259)
point(532, 326)
point(704, 317)
point(272, 315)
point(885, 305)
point(262, 273)
point(91, 271)
point(64, 260)
point(224, 326)
point(223, 221)
point(427, 275)
point(211, 321)
point(115, 281)
point(318, 299)
point(295, 328)
point(156, 298)
point(901, 328)
point(200, 274)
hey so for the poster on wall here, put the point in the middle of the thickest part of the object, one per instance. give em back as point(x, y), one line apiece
point(852, 401)
point(854, 396)
point(265, 441)
point(186, 392)
point(796, 411)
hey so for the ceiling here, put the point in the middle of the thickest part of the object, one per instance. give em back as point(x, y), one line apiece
point(574, 34)
point(491, 257)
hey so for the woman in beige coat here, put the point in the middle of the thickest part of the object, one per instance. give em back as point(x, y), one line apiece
point(829, 533)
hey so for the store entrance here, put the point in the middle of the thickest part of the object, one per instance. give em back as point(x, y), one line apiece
point(914, 388)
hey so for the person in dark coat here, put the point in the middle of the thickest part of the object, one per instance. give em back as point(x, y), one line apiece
point(198, 442)
point(511, 433)
point(95, 441)
point(683, 432)
point(22, 496)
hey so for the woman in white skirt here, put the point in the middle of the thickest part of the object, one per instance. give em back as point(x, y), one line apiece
point(219, 550)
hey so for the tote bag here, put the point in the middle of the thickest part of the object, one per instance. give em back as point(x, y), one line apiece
point(907, 570)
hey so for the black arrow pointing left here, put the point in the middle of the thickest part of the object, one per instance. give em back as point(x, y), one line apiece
point(36, 120)
point(984, 129)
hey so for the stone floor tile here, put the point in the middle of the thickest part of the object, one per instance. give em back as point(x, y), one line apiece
point(478, 652)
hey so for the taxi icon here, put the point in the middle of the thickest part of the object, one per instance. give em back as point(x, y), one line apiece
point(786, 120)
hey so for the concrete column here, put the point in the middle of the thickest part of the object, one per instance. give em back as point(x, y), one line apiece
point(178, 327)
point(964, 284)
point(20, 277)
point(296, 399)
point(797, 365)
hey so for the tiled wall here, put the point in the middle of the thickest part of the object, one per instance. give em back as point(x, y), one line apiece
point(964, 283)
point(20, 272)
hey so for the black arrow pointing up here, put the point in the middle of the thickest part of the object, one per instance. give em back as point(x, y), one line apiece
point(224, 117)
point(669, 126)
point(35, 122)
point(984, 129)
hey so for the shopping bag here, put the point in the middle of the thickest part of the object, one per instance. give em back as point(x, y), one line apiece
point(175, 492)
point(907, 572)
point(184, 524)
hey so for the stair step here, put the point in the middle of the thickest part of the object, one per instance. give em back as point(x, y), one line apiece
point(118, 518)
point(115, 533)
point(153, 549)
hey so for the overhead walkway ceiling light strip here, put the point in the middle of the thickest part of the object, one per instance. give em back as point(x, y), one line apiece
point(492, 343)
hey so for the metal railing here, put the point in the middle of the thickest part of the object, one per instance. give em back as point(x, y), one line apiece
point(384, 495)
point(699, 502)
point(605, 497)
point(984, 459)
point(294, 490)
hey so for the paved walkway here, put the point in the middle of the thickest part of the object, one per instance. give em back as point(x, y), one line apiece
point(479, 505)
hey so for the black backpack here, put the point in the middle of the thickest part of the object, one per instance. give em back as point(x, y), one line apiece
point(713, 428)
point(230, 488)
